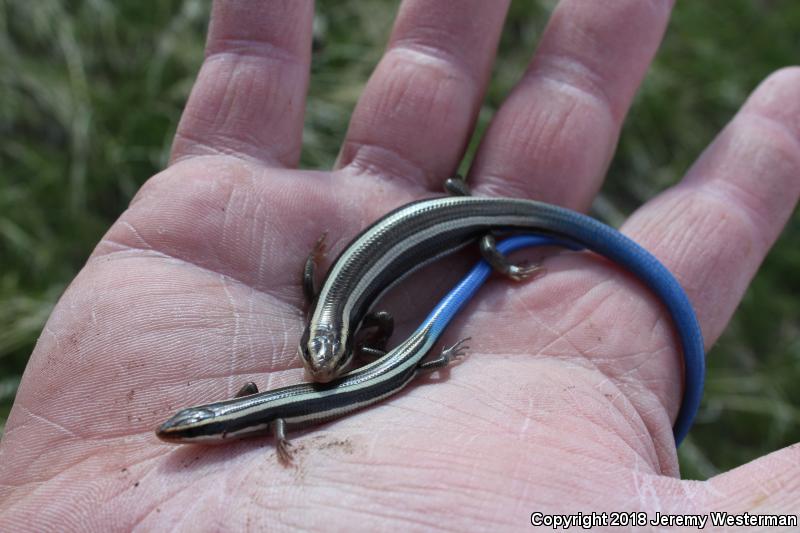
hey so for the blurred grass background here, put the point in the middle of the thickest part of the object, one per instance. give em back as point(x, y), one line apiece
point(91, 92)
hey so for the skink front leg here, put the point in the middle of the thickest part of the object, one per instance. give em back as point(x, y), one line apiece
point(447, 356)
point(457, 186)
point(282, 445)
point(247, 389)
point(375, 344)
point(309, 270)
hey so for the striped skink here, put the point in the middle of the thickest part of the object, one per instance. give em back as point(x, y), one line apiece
point(252, 413)
point(419, 232)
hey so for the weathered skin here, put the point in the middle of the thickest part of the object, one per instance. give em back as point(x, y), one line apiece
point(563, 404)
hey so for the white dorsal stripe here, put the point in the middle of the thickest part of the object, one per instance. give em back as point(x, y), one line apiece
point(322, 312)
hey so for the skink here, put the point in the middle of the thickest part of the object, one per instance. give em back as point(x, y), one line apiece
point(419, 232)
point(312, 403)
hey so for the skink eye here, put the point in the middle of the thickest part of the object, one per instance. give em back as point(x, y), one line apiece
point(188, 417)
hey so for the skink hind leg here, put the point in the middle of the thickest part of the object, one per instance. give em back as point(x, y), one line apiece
point(457, 186)
point(316, 255)
point(282, 445)
point(374, 345)
point(517, 272)
point(447, 356)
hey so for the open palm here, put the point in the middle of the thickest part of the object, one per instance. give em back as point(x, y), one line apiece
point(567, 398)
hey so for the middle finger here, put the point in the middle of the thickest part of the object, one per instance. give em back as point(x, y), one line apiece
point(415, 117)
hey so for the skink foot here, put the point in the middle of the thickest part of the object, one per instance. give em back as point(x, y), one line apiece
point(447, 356)
point(517, 272)
point(282, 445)
point(457, 186)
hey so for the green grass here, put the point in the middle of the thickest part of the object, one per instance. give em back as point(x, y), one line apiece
point(91, 92)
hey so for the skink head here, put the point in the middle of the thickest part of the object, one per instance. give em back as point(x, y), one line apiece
point(323, 353)
point(195, 424)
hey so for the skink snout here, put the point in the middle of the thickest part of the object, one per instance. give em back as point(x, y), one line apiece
point(323, 355)
point(187, 425)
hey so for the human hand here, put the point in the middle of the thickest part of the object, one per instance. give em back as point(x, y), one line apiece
point(567, 398)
